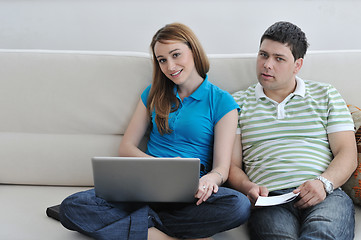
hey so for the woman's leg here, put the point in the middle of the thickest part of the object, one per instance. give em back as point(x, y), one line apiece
point(155, 234)
point(97, 218)
point(224, 210)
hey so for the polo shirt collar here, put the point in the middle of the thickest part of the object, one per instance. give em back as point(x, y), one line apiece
point(199, 92)
point(300, 89)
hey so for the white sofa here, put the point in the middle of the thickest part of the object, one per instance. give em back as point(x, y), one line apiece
point(60, 108)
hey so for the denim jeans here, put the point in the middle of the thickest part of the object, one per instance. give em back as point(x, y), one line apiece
point(97, 218)
point(333, 218)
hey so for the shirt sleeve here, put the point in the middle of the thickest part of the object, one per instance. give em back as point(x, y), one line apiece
point(339, 117)
point(225, 104)
point(238, 96)
point(145, 95)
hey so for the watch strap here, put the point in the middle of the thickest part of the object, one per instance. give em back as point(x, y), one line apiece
point(327, 184)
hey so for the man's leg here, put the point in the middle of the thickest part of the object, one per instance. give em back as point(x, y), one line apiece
point(224, 210)
point(273, 223)
point(334, 218)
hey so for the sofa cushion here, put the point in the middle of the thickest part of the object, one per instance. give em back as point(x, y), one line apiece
point(353, 186)
point(23, 213)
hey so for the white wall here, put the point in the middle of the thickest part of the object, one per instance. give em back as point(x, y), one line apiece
point(223, 26)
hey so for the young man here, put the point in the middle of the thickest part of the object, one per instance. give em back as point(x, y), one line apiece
point(295, 136)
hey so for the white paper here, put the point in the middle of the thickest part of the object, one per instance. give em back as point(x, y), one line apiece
point(276, 200)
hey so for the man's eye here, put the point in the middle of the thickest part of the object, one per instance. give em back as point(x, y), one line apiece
point(280, 59)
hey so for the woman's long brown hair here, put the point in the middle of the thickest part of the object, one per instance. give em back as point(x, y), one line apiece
point(161, 96)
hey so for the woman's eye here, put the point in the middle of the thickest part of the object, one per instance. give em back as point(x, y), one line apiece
point(161, 60)
point(176, 55)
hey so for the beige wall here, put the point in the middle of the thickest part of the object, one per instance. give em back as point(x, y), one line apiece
point(223, 26)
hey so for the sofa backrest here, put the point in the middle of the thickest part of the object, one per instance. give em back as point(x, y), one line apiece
point(339, 68)
point(60, 108)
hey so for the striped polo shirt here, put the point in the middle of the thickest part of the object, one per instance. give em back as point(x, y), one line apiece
point(285, 144)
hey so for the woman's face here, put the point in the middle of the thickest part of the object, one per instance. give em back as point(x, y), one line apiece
point(176, 61)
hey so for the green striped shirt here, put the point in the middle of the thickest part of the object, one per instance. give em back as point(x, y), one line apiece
point(286, 144)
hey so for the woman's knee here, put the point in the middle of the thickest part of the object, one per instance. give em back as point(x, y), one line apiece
point(78, 199)
point(74, 203)
point(237, 206)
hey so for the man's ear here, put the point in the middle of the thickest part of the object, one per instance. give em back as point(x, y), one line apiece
point(298, 65)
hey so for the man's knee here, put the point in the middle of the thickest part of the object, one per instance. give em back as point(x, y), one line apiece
point(332, 219)
point(276, 222)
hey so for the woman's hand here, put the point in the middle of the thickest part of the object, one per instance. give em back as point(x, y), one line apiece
point(207, 186)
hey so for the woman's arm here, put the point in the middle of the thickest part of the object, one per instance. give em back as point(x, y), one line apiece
point(135, 132)
point(224, 134)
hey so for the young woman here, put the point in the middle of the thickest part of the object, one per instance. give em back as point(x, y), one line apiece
point(188, 117)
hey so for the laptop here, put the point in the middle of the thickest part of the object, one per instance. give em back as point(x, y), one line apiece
point(139, 179)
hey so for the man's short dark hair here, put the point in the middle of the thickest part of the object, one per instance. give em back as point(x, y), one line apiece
point(289, 34)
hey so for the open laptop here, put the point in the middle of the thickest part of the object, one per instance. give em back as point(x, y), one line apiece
point(134, 179)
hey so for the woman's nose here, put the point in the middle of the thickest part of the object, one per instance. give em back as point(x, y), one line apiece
point(171, 65)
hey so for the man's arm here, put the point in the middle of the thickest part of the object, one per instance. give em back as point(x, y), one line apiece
point(344, 163)
point(344, 149)
point(237, 178)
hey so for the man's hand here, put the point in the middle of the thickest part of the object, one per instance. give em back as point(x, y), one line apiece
point(255, 191)
point(311, 193)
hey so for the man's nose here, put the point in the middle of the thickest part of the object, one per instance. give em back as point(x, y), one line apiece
point(268, 63)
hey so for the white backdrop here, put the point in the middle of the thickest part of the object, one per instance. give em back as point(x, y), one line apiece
point(223, 26)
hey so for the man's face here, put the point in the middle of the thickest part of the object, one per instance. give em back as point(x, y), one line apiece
point(277, 68)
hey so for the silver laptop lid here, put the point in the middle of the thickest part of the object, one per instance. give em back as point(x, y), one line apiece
point(134, 179)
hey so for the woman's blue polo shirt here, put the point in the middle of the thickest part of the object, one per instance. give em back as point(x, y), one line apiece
point(192, 124)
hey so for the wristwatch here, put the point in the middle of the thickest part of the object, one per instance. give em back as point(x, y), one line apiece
point(328, 185)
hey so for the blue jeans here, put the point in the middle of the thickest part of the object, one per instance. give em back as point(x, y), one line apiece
point(97, 218)
point(334, 218)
